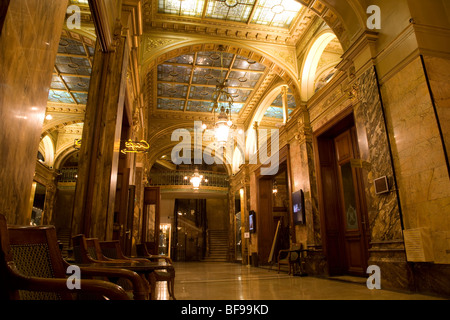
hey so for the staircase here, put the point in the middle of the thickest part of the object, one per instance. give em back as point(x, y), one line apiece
point(218, 246)
point(64, 236)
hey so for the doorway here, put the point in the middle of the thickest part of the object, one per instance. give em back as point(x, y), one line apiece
point(238, 226)
point(274, 216)
point(342, 199)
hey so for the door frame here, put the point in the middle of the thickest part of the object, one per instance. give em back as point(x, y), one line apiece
point(339, 124)
point(264, 214)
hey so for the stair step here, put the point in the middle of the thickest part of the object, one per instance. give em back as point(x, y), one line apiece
point(218, 246)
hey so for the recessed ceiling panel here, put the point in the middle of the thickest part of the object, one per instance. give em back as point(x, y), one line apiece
point(168, 104)
point(172, 90)
point(206, 76)
point(174, 73)
point(201, 93)
point(199, 106)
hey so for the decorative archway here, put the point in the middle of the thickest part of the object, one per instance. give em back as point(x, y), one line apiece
point(309, 67)
point(47, 149)
point(62, 156)
point(347, 18)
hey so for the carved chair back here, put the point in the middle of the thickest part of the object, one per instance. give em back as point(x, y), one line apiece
point(36, 253)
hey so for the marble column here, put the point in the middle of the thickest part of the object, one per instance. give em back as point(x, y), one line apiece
point(99, 154)
point(29, 37)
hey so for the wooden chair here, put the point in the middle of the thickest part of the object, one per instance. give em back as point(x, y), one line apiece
point(142, 251)
point(88, 254)
point(168, 276)
point(32, 268)
point(113, 251)
point(96, 252)
point(291, 257)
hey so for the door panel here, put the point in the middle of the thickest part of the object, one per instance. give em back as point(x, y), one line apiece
point(352, 207)
point(349, 198)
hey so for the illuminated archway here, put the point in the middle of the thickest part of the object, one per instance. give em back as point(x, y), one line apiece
point(309, 68)
point(47, 149)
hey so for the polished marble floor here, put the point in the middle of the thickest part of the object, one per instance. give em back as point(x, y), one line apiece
point(232, 281)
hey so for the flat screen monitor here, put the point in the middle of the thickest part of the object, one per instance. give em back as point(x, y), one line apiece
point(298, 207)
point(252, 221)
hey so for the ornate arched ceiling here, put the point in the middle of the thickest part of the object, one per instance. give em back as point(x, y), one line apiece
point(186, 96)
point(175, 30)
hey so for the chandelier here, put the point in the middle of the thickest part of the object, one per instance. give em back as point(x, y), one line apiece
point(196, 179)
point(222, 101)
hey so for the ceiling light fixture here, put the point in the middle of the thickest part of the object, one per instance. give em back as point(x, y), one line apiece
point(196, 179)
point(224, 123)
point(275, 187)
point(231, 3)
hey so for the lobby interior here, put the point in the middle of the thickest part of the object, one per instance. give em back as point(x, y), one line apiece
point(222, 133)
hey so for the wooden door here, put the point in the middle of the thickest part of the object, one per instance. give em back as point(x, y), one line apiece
point(352, 204)
point(121, 206)
point(151, 217)
point(330, 207)
point(264, 220)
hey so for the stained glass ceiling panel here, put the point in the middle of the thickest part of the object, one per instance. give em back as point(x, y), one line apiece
point(278, 102)
point(274, 112)
point(274, 13)
point(72, 71)
point(60, 97)
point(192, 8)
point(188, 82)
point(168, 104)
point(232, 10)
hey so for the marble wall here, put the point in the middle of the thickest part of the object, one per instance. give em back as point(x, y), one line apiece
point(28, 45)
point(438, 71)
point(423, 179)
